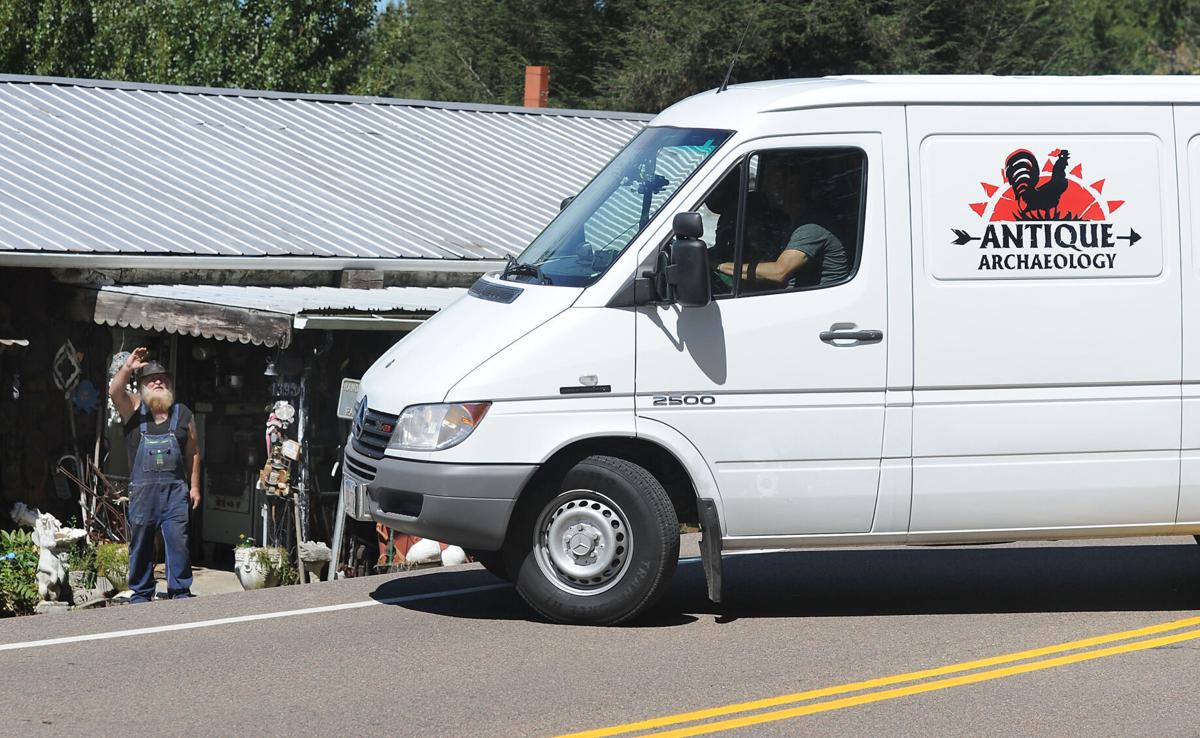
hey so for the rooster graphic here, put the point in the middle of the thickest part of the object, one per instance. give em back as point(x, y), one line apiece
point(1037, 201)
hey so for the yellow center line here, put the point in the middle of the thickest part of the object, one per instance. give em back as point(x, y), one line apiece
point(891, 694)
point(760, 704)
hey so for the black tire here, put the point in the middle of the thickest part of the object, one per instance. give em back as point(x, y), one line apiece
point(618, 544)
point(493, 561)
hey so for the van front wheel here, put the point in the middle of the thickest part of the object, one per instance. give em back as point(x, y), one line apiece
point(600, 547)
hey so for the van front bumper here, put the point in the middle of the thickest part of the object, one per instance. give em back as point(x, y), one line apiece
point(467, 505)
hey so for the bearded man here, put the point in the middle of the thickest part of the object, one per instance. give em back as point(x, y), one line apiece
point(163, 453)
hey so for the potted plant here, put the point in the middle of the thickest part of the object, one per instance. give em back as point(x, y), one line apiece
point(280, 571)
point(112, 563)
point(257, 566)
point(81, 566)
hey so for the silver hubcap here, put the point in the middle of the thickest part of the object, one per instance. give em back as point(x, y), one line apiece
point(582, 542)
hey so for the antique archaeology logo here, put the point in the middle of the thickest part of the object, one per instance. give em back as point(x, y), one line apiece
point(1045, 220)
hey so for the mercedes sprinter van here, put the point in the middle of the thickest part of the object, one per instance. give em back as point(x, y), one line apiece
point(840, 311)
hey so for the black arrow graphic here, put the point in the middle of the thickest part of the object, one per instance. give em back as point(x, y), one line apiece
point(1132, 238)
point(963, 237)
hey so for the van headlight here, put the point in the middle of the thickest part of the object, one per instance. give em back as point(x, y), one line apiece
point(435, 427)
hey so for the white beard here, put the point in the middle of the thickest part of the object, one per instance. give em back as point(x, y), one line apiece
point(157, 401)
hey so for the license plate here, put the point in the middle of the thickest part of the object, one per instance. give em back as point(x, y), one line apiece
point(348, 398)
point(355, 495)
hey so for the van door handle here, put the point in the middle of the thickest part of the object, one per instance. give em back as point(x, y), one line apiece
point(859, 336)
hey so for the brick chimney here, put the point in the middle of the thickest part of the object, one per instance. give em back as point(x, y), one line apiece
point(537, 86)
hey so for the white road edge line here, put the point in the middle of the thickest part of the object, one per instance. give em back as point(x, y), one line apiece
point(260, 616)
point(247, 618)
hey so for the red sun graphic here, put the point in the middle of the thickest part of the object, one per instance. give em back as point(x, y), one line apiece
point(1051, 194)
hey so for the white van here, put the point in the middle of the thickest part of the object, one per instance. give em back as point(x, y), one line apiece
point(826, 312)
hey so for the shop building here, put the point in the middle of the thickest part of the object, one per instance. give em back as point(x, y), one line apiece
point(264, 245)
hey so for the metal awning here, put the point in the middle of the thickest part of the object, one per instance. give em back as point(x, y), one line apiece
point(259, 315)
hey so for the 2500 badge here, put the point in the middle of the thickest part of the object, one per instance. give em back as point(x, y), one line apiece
point(684, 400)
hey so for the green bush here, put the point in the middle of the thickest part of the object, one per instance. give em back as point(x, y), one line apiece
point(18, 573)
point(279, 571)
point(83, 560)
point(112, 563)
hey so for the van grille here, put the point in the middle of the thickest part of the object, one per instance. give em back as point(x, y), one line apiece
point(360, 470)
point(372, 431)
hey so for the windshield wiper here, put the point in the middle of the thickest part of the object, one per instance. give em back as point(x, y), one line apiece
point(517, 269)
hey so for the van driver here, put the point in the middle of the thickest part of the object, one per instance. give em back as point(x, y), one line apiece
point(812, 256)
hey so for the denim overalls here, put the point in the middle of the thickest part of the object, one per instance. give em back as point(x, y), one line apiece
point(158, 496)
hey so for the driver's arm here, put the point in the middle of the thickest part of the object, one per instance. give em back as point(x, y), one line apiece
point(778, 271)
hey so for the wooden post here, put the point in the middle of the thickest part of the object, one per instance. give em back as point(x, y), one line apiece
point(339, 528)
point(299, 561)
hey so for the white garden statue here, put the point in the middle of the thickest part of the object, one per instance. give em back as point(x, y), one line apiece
point(53, 542)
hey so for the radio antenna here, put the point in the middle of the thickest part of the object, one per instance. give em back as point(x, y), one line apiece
point(725, 82)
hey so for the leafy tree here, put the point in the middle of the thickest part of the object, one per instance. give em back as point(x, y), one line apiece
point(617, 54)
point(18, 18)
point(1172, 28)
point(305, 45)
point(477, 50)
point(179, 42)
point(669, 50)
point(299, 45)
point(388, 51)
point(61, 37)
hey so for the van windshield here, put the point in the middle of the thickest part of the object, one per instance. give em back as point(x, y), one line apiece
point(591, 232)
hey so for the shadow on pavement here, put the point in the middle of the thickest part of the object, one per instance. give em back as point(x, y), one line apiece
point(495, 604)
point(924, 581)
point(908, 581)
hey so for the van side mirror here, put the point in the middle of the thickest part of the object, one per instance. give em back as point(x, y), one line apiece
point(681, 269)
point(688, 273)
point(688, 225)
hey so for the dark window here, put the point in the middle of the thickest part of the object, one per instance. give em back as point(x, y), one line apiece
point(790, 218)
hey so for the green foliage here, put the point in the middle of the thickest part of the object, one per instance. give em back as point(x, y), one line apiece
point(168, 41)
point(623, 54)
point(477, 50)
point(284, 573)
point(112, 561)
point(388, 51)
point(18, 18)
point(18, 573)
point(82, 559)
point(304, 45)
point(274, 562)
point(671, 49)
point(298, 45)
point(61, 37)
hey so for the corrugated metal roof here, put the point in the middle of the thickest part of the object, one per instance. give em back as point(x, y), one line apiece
point(113, 168)
point(298, 300)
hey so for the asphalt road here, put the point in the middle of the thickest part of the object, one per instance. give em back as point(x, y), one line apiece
point(873, 642)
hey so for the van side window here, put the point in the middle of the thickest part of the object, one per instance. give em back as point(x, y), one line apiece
point(802, 226)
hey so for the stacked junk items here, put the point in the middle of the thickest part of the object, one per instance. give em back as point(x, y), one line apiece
point(284, 512)
point(260, 480)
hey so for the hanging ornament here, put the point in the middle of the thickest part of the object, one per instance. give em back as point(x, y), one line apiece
point(85, 397)
point(66, 368)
